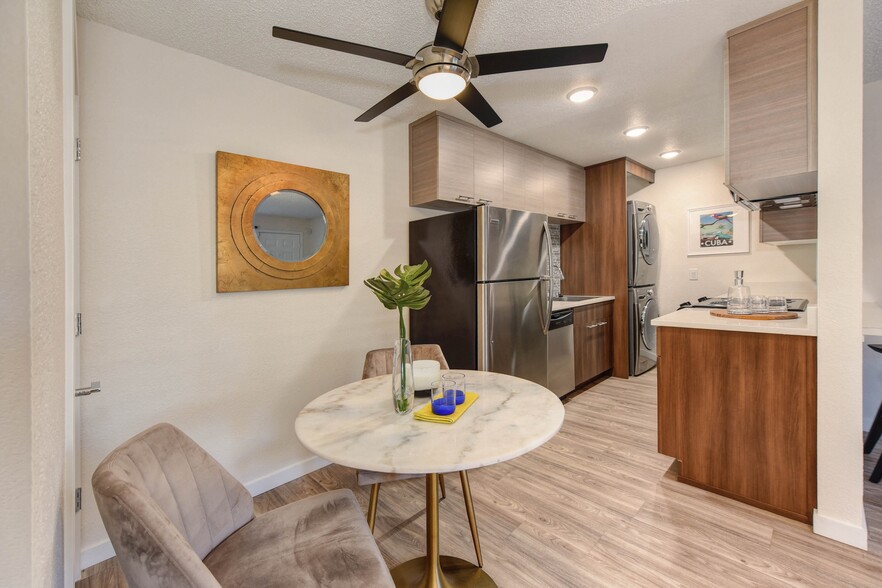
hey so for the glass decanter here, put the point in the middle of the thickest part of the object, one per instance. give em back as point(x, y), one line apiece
point(738, 301)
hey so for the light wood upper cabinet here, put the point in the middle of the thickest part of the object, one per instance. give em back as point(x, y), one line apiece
point(563, 190)
point(771, 103)
point(488, 168)
point(442, 163)
point(454, 165)
point(522, 177)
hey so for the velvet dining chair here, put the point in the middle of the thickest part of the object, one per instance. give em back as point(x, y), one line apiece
point(177, 518)
point(378, 363)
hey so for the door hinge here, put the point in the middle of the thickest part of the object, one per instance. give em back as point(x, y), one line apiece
point(79, 150)
point(78, 327)
point(78, 500)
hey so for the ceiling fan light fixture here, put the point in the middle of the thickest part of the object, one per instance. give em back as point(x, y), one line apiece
point(670, 154)
point(440, 85)
point(583, 94)
point(635, 131)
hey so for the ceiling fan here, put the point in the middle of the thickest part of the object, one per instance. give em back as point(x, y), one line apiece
point(443, 69)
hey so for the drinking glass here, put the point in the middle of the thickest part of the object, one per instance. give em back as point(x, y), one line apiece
point(459, 381)
point(759, 305)
point(777, 304)
point(443, 397)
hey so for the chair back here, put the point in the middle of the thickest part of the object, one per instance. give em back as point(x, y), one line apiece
point(379, 361)
point(166, 504)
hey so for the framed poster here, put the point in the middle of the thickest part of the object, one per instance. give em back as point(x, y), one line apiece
point(715, 230)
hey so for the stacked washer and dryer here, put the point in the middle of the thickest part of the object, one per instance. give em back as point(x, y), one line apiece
point(642, 286)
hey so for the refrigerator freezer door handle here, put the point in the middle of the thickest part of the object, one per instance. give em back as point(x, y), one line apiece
point(546, 279)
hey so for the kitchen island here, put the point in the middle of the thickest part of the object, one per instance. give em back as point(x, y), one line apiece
point(737, 406)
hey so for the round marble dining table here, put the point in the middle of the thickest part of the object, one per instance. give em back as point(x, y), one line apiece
point(356, 426)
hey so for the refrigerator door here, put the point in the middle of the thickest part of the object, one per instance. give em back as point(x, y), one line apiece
point(512, 329)
point(512, 244)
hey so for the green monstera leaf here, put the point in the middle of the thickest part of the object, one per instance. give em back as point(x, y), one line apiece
point(402, 289)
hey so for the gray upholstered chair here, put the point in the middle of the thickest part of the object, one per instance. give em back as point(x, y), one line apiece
point(378, 363)
point(177, 518)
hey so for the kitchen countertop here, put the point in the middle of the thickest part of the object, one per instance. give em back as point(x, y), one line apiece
point(560, 305)
point(700, 318)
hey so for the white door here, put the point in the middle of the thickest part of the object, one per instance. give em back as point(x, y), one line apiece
point(284, 245)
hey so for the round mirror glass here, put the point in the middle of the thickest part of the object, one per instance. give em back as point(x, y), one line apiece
point(290, 225)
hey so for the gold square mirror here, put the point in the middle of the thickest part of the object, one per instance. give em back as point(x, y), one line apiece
point(280, 225)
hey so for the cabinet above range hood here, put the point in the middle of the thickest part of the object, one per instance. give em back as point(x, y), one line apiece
point(771, 107)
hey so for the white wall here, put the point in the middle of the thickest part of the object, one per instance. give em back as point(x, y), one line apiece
point(840, 513)
point(32, 274)
point(872, 240)
point(47, 259)
point(768, 269)
point(873, 191)
point(232, 370)
point(15, 355)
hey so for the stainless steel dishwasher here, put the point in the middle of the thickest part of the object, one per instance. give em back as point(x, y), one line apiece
point(561, 365)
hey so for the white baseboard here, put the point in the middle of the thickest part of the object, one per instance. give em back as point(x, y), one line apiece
point(95, 554)
point(285, 475)
point(841, 531)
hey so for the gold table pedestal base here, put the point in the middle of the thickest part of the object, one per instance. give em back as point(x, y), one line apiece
point(455, 572)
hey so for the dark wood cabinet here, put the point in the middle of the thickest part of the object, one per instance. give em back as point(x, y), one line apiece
point(592, 340)
point(739, 412)
point(594, 254)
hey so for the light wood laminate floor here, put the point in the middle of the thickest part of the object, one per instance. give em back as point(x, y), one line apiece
point(598, 506)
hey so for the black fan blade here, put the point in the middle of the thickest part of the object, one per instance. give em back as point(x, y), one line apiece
point(456, 20)
point(478, 106)
point(494, 63)
point(344, 46)
point(388, 102)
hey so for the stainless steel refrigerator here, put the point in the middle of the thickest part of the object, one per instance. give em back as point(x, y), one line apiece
point(491, 289)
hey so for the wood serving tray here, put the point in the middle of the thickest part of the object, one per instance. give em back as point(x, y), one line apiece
point(774, 316)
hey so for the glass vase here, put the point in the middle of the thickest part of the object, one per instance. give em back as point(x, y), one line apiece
point(402, 377)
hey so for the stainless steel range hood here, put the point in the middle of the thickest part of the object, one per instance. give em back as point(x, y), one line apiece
point(777, 201)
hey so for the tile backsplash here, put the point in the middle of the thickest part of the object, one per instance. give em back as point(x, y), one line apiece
point(554, 231)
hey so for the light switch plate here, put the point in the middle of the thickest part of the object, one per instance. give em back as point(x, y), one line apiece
point(693, 274)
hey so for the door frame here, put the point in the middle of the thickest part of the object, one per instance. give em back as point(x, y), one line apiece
point(71, 518)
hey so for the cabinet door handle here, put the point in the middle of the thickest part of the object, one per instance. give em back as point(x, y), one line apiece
point(484, 201)
point(464, 198)
point(571, 216)
point(595, 325)
point(562, 214)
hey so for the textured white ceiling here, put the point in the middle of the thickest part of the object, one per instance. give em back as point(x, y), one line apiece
point(664, 67)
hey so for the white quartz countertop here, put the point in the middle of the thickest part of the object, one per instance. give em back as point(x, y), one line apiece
point(560, 305)
point(356, 426)
point(700, 318)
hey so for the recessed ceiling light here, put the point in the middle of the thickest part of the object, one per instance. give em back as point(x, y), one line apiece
point(670, 154)
point(636, 131)
point(581, 94)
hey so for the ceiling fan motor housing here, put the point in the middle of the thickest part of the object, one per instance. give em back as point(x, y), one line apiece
point(431, 59)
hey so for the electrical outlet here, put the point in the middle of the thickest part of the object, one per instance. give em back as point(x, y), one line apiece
point(693, 274)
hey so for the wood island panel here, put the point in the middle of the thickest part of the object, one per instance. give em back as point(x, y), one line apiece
point(739, 411)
